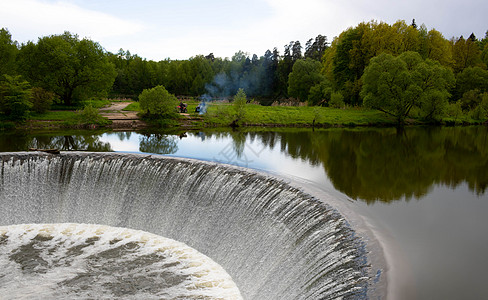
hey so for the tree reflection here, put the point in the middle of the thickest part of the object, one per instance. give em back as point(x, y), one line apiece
point(386, 165)
point(158, 143)
point(86, 142)
point(75, 142)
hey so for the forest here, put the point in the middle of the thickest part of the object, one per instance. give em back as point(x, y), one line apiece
point(401, 69)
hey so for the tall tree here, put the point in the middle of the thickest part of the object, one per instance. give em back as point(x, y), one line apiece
point(8, 53)
point(466, 53)
point(395, 85)
point(315, 49)
point(471, 78)
point(73, 69)
point(438, 48)
point(348, 63)
point(305, 74)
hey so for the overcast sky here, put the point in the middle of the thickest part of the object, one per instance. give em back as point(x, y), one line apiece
point(180, 29)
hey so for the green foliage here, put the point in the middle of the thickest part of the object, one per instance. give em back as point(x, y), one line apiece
point(471, 78)
point(305, 74)
point(41, 99)
point(465, 54)
point(472, 99)
point(15, 97)
point(134, 106)
point(395, 85)
point(223, 114)
point(71, 68)
point(454, 110)
point(337, 100)
point(8, 53)
point(96, 103)
point(90, 115)
point(157, 102)
point(319, 94)
point(79, 69)
point(480, 111)
point(239, 105)
point(57, 115)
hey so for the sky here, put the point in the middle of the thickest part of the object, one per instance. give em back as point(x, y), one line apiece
point(180, 29)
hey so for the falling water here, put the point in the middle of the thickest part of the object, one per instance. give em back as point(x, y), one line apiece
point(59, 261)
point(274, 240)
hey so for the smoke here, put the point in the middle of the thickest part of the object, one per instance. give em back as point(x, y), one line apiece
point(256, 77)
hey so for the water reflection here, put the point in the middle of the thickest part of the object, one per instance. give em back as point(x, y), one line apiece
point(384, 164)
point(67, 142)
point(367, 164)
point(158, 143)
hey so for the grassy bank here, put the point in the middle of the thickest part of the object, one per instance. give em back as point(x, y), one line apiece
point(223, 114)
point(291, 116)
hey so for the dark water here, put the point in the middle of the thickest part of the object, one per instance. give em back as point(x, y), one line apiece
point(422, 189)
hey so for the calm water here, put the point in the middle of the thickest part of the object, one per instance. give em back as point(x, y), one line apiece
point(423, 189)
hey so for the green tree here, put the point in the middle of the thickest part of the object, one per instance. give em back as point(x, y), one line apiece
point(315, 49)
point(438, 48)
point(15, 97)
point(336, 100)
point(471, 78)
point(157, 102)
point(8, 53)
point(41, 99)
point(466, 53)
point(320, 94)
point(395, 85)
point(73, 69)
point(305, 74)
point(239, 103)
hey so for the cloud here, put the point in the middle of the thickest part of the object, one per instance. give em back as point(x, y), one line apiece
point(30, 19)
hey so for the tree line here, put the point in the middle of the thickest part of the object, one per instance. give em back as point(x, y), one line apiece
point(402, 69)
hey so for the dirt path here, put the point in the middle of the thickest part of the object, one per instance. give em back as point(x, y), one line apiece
point(122, 120)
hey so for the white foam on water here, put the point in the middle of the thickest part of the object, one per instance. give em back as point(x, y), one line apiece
point(78, 261)
point(275, 240)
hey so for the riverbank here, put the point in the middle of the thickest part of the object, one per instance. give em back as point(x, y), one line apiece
point(125, 115)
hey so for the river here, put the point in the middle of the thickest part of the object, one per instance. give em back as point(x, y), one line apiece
point(421, 190)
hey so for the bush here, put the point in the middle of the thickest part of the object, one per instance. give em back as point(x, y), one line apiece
point(470, 100)
point(336, 100)
point(157, 102)
point(14, 98)
point(434, 105)
point(41, 99)
point(91, 115)
point(454, 110)
point(239, 103)
point(480, 112)
point(320, 93)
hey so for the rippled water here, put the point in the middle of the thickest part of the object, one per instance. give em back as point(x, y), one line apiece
point(81, 261)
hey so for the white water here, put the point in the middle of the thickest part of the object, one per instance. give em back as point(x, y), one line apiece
point(275, 241)
point(81, 261)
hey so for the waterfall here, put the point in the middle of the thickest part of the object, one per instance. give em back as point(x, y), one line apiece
point(273, 239)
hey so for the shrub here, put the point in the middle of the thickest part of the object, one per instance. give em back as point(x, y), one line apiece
point(157, 102)
point(480, 112)
point(91, 115)
point(14, 97)
point(454, 110)
point(239, 103)
point(336, 100)
point(41, 99)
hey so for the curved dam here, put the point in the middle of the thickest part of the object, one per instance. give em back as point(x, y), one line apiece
point(274, 240)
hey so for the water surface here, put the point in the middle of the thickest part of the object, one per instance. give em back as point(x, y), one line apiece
point(422, 189)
